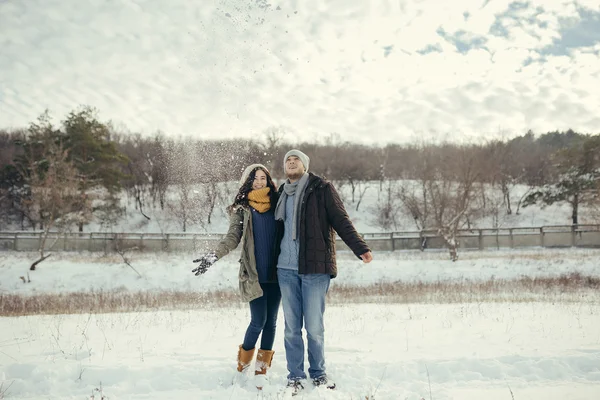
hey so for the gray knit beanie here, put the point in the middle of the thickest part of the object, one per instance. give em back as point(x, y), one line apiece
point(249, 169)
point(303, 157)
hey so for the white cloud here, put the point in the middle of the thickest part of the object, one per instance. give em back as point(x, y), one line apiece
point(231, 68)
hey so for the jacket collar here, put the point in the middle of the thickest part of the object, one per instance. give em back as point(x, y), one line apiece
point(312, 180)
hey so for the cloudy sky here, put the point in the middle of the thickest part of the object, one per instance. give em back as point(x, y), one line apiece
point(370, 71)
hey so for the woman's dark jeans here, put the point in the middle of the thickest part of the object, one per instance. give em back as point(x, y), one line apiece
point(263, 313)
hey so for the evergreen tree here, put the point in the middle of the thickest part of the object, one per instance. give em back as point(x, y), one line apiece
point(578, 178)
point(97, 159)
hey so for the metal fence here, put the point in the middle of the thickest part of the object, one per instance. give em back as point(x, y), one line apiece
point(546, 236)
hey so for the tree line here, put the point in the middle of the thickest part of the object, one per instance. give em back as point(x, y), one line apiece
point(59, 177)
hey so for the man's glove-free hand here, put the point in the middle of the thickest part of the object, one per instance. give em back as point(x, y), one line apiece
point(205, 262)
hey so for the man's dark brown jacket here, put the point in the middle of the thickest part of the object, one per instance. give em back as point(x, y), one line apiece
point(322, 214)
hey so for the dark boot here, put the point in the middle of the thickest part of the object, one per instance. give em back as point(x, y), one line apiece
point(323, 380)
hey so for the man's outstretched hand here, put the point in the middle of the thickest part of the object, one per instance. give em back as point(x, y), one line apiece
point(367, 257)
point(205, 262)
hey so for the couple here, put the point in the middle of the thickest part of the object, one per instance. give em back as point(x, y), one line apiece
point(288, 256)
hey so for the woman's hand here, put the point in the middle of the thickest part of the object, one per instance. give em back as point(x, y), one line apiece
point(205, 262)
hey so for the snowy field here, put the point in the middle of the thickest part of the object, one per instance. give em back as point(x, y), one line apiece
point(464, 351)
point(83, 272)
point(545, 349)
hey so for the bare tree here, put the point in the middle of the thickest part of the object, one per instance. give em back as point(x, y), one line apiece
point(387, 208)
point(159, 166)
point(453, 195)
point(53, 195)
point(442, 198)
point(414, 193)
point(362, 189)
point(184, 207)
point(414, 198)
point(183, 177)
point(273, 139)
point(594, 208)
point(138, 168)
point(382, 168)
point(211, 197)
point(348, 163)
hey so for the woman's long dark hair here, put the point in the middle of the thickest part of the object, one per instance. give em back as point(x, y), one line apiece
point(241, 199)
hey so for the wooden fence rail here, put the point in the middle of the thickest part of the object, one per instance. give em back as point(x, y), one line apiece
point(517, 237)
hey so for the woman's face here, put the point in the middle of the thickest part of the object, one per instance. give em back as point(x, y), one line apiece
point(260, 180)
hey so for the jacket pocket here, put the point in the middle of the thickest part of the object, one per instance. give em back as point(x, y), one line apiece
point(243, 274)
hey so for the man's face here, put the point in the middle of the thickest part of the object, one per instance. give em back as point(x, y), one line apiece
point(294, 168)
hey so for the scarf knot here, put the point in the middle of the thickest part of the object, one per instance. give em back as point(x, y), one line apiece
point(260, 199)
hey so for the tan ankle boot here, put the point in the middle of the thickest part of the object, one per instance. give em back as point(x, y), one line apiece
point(263, 362)
point(244, 358)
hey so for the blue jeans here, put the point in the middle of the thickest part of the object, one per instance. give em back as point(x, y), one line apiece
point(303, 299)
point(263, 312)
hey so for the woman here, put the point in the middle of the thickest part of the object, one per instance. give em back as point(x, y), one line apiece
point(252, 221)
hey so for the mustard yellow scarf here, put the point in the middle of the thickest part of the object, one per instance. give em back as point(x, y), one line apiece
point(260, 200)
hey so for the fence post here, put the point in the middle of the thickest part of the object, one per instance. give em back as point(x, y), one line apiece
point(392, 239)
point(107, 241)
point(573, 235)
point(15, 247)
point(542, 236)
point(115, 243)
point(511, 238)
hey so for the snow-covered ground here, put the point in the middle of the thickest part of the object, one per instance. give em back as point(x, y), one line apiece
point(81, 272)
point(469, 350)
point(464, 351)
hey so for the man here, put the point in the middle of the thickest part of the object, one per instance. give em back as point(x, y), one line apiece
point(311, 211)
